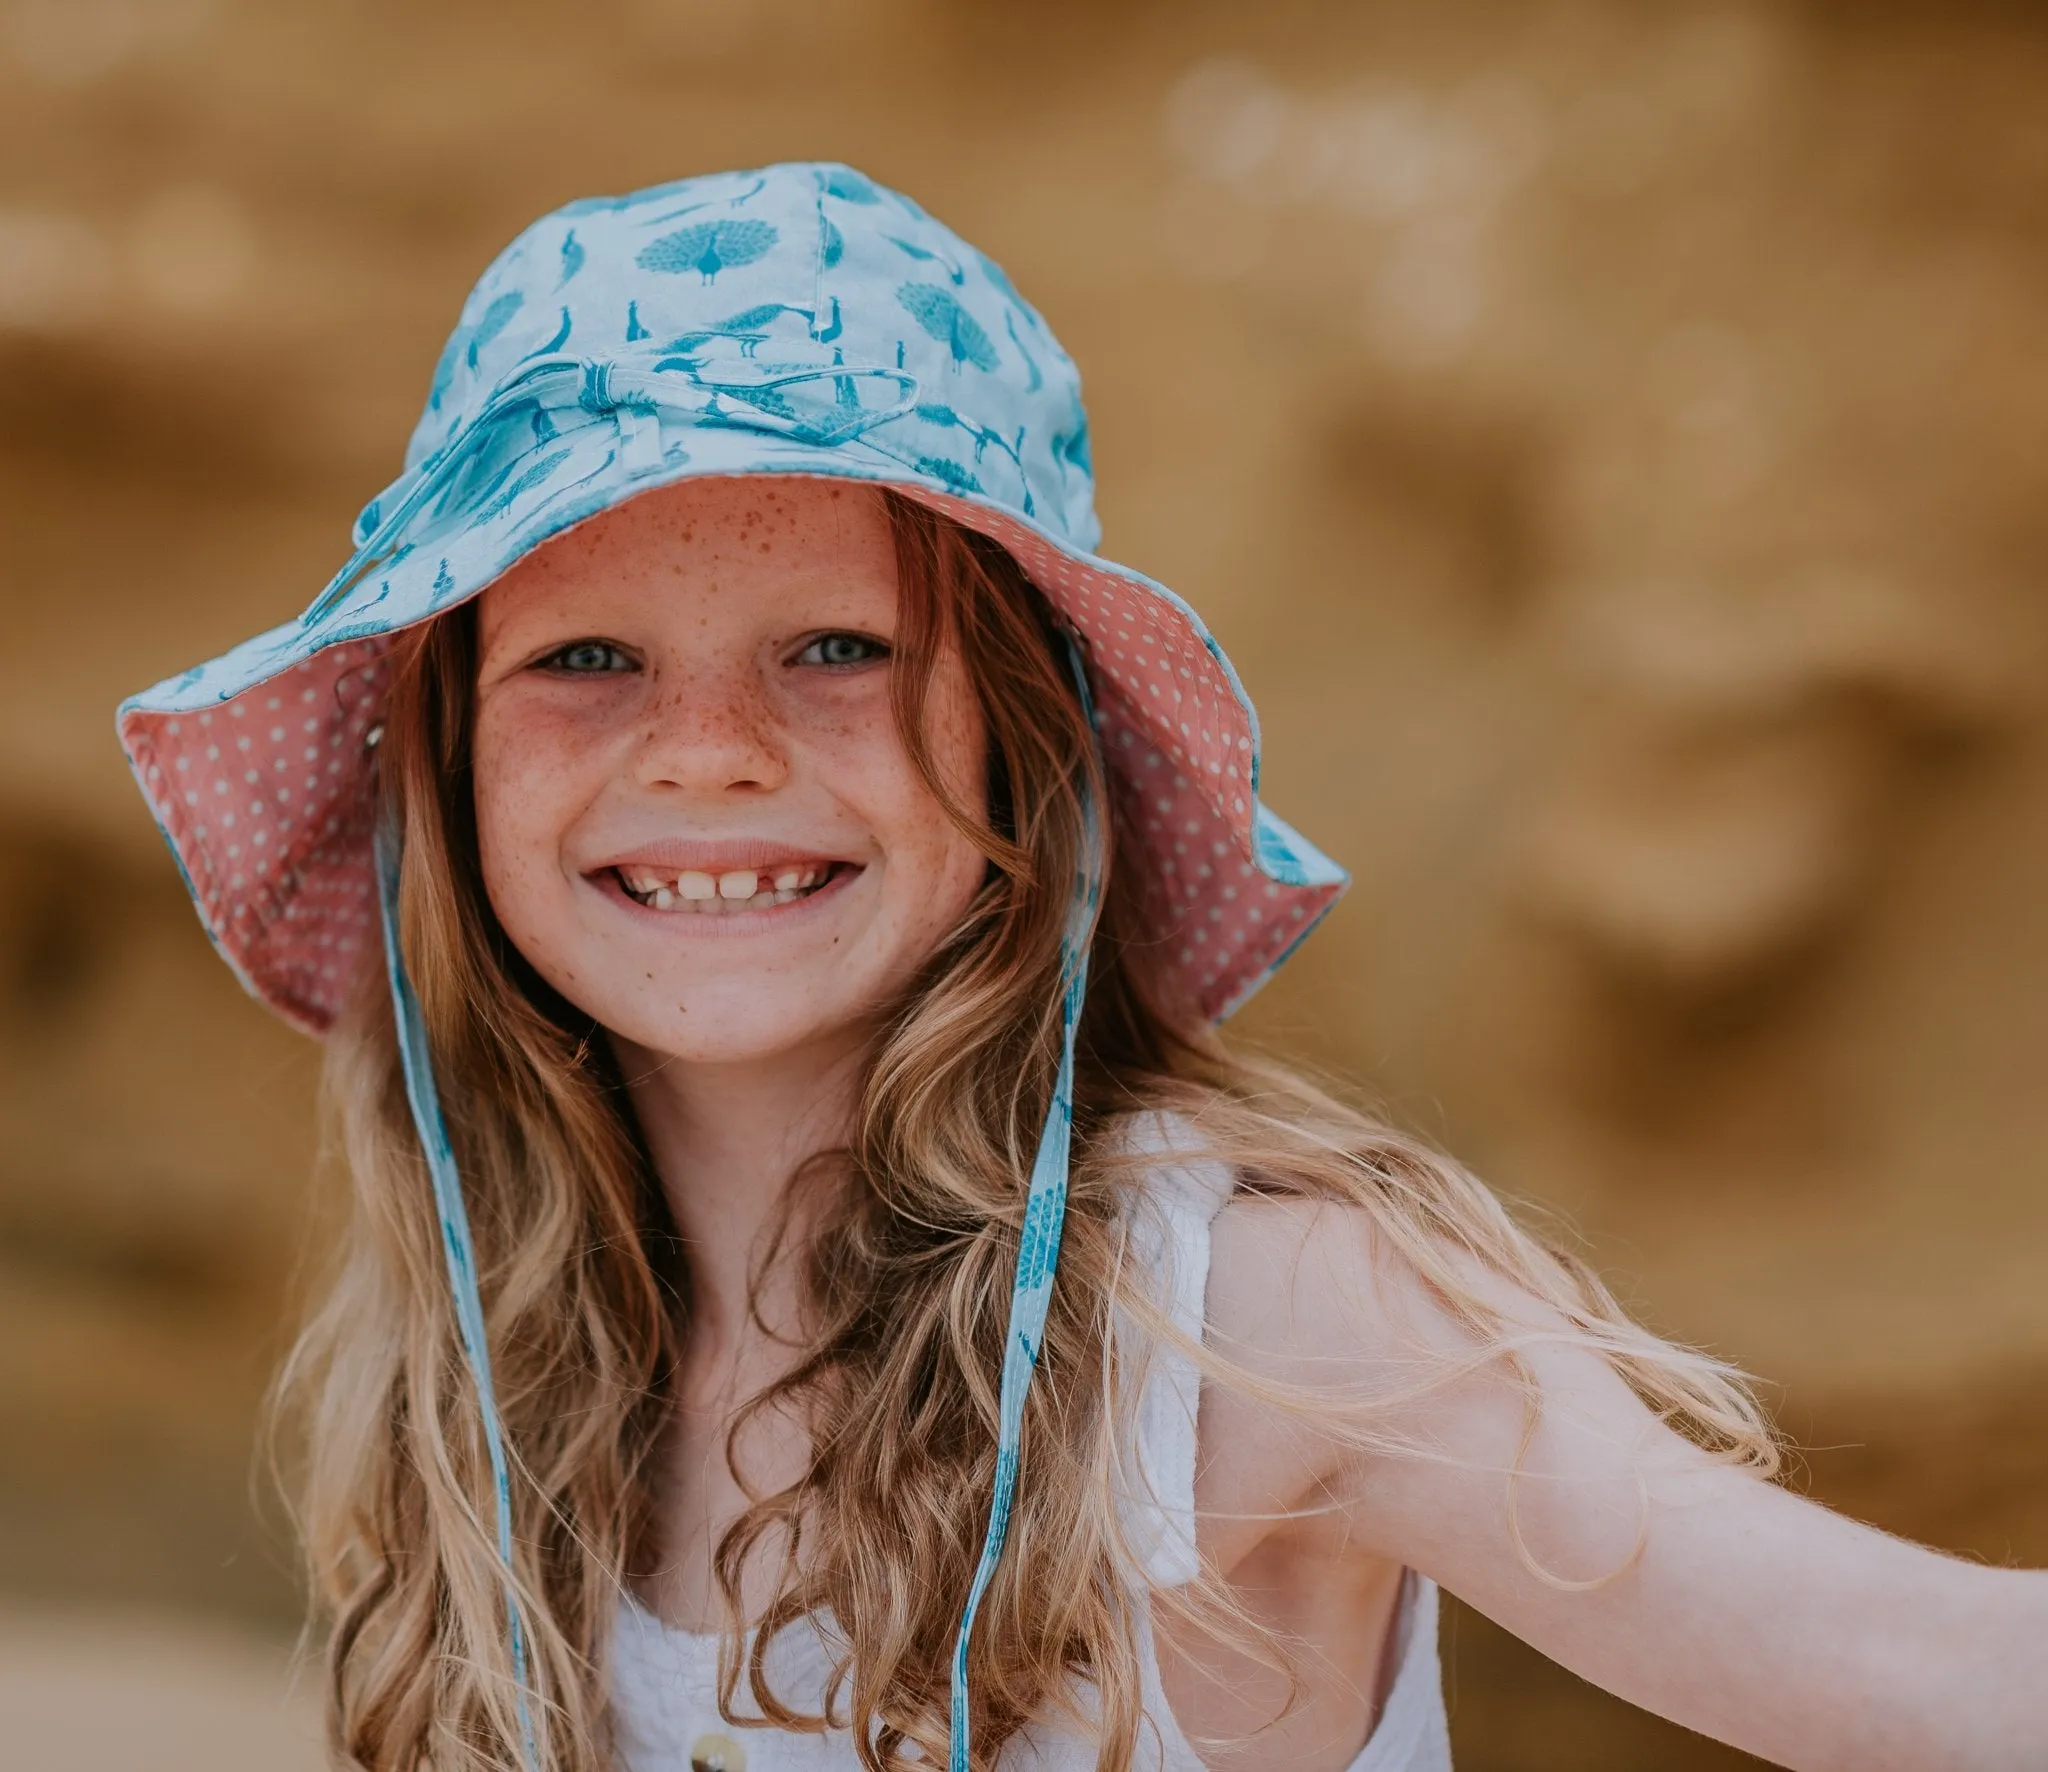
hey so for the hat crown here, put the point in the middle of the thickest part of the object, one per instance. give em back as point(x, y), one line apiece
point(791, 269)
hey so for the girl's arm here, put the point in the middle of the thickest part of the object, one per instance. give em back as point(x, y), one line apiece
point(1728, 1605)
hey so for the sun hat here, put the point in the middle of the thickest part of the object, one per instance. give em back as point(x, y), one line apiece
point(798, 319)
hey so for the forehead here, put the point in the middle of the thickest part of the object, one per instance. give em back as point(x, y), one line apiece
point(740, 534)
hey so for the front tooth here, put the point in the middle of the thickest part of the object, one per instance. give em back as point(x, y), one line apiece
point(789, 879)
point(740, 883)
point(695, 885)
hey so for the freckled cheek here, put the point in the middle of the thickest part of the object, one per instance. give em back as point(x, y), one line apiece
point(529, 750)
point(940, 865)
point(959, 746)
point(529, 787)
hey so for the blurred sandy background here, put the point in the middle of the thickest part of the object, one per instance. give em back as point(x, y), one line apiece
point(1622, 492)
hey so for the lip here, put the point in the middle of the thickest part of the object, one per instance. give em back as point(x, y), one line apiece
point(606, 882)
point(678, 855)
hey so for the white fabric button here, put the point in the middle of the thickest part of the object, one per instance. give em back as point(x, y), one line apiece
point(714, 1752)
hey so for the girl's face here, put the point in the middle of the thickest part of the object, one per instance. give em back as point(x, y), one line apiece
point(698, 820)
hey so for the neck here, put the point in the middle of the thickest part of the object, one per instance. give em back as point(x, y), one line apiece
point(725, 1140)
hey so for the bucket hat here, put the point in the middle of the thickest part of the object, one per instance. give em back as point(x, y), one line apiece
point(798, 319)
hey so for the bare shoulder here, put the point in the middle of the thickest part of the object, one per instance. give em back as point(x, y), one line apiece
point(1307, 1291)
point(1303, 1297)
point(1316, 1291)
point(1296, 1300)
point(1442, 1375)
point(1343, 1358)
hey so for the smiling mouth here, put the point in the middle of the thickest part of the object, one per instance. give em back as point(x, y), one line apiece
point(721, 895)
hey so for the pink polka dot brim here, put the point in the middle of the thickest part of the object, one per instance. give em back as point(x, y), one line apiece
point(264, 793)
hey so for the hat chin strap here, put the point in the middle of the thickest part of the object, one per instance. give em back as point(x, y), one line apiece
point(1038, 1251)
point(1045, 1211)
point(457, 1246)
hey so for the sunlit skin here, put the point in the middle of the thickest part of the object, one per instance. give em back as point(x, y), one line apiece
point(697, 683)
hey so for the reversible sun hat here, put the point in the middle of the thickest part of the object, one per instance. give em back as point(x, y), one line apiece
point(797, 320)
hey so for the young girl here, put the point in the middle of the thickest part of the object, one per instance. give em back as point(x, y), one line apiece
point(819, 1292)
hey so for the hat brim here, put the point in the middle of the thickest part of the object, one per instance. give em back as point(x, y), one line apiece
point(258, 764)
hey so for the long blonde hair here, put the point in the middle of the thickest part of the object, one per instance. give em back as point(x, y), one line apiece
point(907, 1273)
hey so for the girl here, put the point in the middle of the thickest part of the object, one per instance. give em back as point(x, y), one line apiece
point(819, 1292)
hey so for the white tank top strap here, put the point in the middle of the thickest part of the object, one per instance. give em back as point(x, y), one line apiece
point(1168, 1232)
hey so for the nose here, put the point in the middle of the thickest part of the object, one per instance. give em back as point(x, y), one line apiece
point(713, 730)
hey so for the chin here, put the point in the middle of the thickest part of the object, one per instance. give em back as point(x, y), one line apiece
point(733, 1026)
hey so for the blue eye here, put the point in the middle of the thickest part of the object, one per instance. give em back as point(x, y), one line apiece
point(583, 658)
point(838, 651)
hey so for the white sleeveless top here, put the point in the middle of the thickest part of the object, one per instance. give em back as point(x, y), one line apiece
point(665, 1681)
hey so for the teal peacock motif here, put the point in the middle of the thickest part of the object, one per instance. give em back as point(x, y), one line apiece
point(521, 484)
point(1037, 381)
point(465, 342)
point(563, 328)
point(850, 186)
point(912, 250)
point(495, 319)
point(708, 248)
point(941, 315)
point(948, 472)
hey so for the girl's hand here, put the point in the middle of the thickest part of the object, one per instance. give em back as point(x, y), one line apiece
point(1691, 1589)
